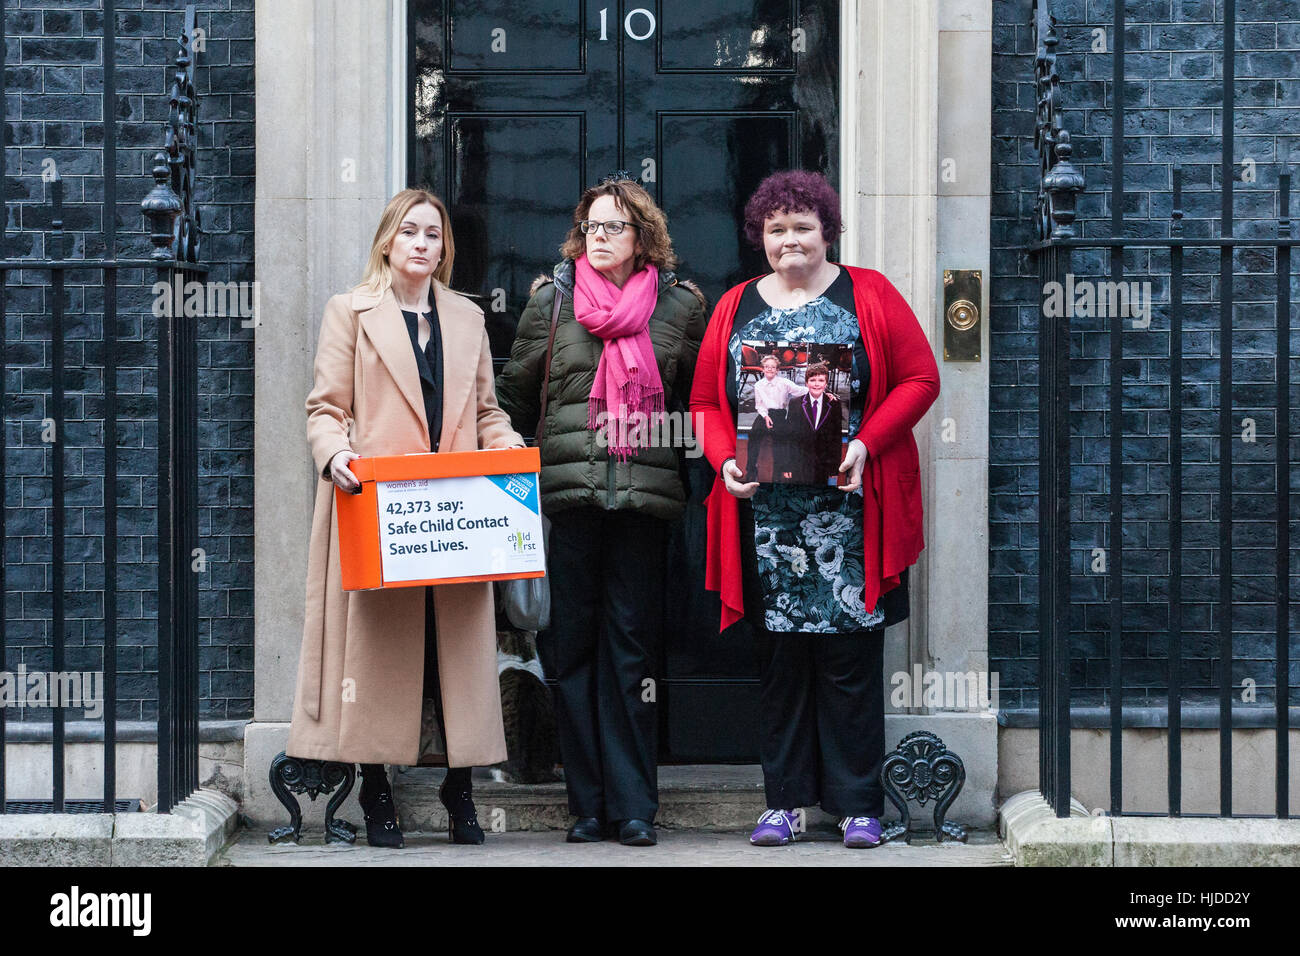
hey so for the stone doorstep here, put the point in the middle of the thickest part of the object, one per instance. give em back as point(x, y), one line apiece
point(973, 736)
point(191, 835)
point(1035, 836)
point(724, 798)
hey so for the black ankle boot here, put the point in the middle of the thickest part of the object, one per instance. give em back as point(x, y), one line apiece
point(376, 799)
point(462, 822)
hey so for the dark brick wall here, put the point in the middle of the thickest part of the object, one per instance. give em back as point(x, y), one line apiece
point(1172, 115)
point(53, 88)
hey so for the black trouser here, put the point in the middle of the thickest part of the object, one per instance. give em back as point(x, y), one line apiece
point(432, 686)
point(821, 708)
point(822, 720)
point(760, 437)
point(607, 575)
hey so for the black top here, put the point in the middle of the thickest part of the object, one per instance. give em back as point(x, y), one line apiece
point(429, 361)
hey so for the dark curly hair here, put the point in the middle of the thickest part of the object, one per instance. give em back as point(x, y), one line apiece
point(651, 223)
point(794, 190)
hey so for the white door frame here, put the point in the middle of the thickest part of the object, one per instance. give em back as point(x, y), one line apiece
point(849, 130)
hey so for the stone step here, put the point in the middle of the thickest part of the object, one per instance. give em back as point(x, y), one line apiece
point(712, 797)
point(547, 848)
point(691, 797)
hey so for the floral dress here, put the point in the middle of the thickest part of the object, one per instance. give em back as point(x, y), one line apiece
point(802, 544)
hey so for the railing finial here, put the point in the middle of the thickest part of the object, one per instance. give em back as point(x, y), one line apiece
point(161, 207)
point(1061, 186)
point(1060, 181)
point(173, 215)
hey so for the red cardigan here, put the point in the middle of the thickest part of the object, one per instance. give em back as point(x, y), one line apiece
point(904, 384)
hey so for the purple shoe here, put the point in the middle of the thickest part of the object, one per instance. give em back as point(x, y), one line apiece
point(775, 828)
point(860, 832)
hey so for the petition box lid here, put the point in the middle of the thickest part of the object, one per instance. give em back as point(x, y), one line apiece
point(454, 464)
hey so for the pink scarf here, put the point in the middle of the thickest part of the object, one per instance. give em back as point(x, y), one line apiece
point(628, 375)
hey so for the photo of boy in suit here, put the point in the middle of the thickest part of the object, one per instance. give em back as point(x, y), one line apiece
point(815, 433)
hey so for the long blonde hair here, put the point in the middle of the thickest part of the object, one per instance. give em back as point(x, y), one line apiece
point(379, 275)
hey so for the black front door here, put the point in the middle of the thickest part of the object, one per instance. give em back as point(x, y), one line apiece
point(517, 106)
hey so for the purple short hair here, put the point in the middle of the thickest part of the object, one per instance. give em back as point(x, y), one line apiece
point(794, 190)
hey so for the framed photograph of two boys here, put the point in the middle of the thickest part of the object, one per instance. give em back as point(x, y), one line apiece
point(793, 411)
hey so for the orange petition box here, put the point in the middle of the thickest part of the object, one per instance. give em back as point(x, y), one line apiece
point(441, 519)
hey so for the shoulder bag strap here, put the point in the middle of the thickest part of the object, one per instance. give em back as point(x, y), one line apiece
point(546, 376)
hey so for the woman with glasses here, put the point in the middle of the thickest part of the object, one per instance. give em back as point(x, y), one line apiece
point(618, 332)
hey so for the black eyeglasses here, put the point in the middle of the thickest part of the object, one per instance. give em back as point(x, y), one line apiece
point(612, 228)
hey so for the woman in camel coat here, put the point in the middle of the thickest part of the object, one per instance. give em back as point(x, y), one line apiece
point(360, 677)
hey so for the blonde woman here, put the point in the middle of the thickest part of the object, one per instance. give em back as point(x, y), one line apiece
point(402, 366)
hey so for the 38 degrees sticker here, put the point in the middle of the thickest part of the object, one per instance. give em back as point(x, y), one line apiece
point(434, 528)
point(520, 487)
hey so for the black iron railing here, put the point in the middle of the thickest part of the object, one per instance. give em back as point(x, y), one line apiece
point(1060, 184)
point(174, 231)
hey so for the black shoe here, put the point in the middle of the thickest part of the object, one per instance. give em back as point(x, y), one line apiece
point(376, 799)
point(462, 819)
point(586, 830)
point(637, 833)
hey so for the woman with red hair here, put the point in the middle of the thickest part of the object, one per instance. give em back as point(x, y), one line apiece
point(817, 570)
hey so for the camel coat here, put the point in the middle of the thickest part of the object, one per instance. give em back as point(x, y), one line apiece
point(360, 675)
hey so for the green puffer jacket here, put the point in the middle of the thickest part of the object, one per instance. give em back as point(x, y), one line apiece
point(576, 469)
